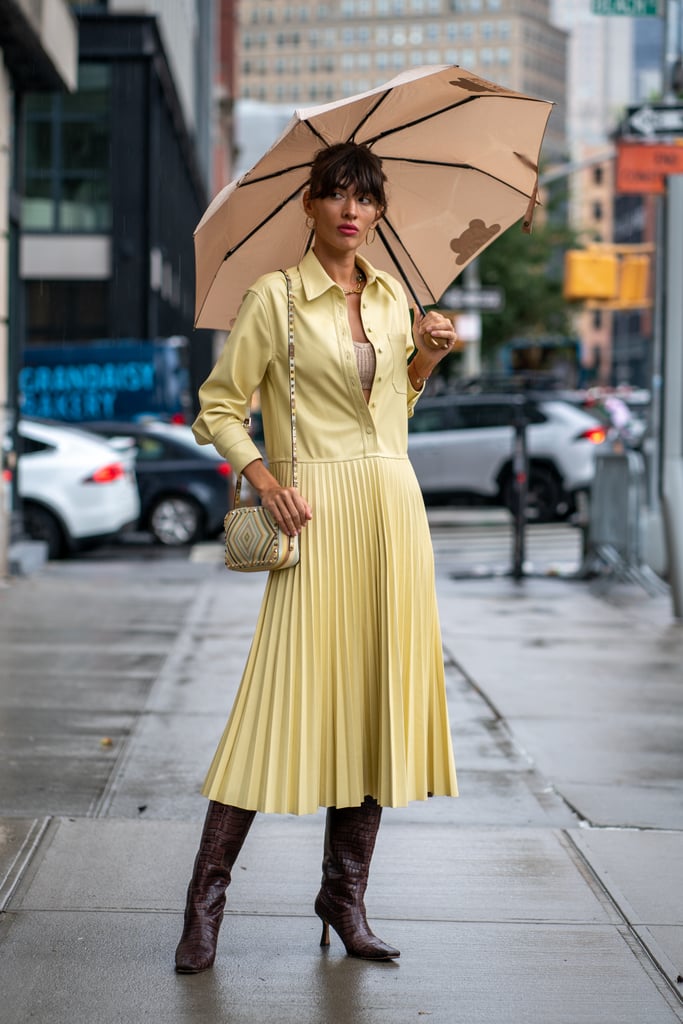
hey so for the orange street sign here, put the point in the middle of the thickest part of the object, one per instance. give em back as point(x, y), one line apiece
point(643, 166)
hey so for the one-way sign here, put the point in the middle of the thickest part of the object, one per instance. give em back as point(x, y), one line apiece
point(654, 119)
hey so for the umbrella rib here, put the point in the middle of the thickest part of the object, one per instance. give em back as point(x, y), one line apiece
point(437, 113)
point(276, 174)
point(399, 267)
point(453, 166)
point(258, 227)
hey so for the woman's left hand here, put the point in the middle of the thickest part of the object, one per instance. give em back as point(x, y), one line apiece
point(434, 335)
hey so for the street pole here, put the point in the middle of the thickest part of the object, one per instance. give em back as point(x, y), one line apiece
point(672, 419)
point(472, 353)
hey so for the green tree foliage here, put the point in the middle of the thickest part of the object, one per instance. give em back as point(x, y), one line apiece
point(529, 270)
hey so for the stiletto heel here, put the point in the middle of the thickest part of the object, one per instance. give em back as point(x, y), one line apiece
point(350, 835)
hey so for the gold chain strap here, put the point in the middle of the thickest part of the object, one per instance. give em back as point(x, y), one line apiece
point(292, 392)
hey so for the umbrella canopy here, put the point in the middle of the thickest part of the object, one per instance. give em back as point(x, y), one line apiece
point(461, 159)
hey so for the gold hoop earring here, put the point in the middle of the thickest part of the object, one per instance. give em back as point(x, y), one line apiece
point(310, 224)
point(368, 240)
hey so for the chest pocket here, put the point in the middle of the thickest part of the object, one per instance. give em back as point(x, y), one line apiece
point(399, 370)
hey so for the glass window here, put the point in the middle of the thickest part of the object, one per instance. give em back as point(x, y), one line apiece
point(427, 419)
point(67, 156)
point(485, 415)
point(66, 310)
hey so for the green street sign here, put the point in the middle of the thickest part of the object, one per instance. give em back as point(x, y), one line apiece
point(632, 8)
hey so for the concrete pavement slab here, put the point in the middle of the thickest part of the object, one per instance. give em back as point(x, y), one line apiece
point(641, 871)
point(19, 839)
point(115, 968)
point(474, 874)
point(615, 804)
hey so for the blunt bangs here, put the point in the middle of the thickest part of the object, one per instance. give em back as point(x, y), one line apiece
point(347, 165)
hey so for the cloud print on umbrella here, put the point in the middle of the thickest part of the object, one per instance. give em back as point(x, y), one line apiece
point(473, 238)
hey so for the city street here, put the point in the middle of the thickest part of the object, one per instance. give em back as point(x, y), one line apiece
point(547, 894)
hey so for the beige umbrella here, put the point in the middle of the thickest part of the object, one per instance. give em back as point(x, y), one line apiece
point(461, 158)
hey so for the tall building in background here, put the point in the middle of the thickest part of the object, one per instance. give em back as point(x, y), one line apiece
point(307, 53)
point(613, 62)
point(116, 177)
point(38, 51)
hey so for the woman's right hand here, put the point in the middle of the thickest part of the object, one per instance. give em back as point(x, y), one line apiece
point(285, 504)
point(287, 507)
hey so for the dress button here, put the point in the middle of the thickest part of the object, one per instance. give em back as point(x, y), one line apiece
point(368, 430)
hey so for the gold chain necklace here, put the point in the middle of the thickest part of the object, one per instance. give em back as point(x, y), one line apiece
point(358, 288)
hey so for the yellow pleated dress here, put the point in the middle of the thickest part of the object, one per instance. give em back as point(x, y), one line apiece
point(343, 694)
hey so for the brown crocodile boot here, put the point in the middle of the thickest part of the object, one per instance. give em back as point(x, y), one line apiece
point(350, 835)
point(225, 829)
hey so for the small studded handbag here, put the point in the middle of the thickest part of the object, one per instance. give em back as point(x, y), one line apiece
point(253, 540)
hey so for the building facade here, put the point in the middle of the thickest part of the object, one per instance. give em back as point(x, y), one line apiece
point(115, 179)
point(308, 53)
point(613, 62)
point(38, 51)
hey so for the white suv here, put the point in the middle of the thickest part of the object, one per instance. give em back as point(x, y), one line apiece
point(461, 447)
point(74, 487)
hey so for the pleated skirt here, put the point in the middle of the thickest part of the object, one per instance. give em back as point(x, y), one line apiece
point(343, 693)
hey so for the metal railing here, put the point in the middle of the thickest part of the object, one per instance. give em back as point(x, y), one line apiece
point(613, 530)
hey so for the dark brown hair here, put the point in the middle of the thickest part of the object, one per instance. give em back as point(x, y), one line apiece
point(345, 165)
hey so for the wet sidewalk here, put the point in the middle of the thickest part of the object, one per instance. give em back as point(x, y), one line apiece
point(549, 893)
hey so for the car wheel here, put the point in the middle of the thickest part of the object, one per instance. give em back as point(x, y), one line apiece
point(543, 495)
point(43, 525)
point(176, 520)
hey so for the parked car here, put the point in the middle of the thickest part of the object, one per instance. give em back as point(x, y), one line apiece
point(461, 447)
point(185, 488)
point(75, 488)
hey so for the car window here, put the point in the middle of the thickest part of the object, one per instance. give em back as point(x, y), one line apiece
point(485, 414)
point(150, 448)
point(428, 418)
point(29, 445)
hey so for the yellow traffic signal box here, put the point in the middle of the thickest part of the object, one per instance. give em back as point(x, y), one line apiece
point(613, 277)
point(590, 274)
point(634, 281)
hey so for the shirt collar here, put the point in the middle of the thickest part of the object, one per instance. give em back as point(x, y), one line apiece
point(315, 280)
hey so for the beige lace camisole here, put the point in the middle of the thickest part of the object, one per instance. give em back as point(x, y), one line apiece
point(366, 361)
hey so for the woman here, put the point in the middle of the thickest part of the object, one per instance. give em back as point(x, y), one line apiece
point(342, 703)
